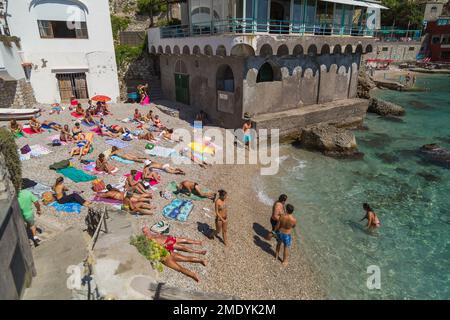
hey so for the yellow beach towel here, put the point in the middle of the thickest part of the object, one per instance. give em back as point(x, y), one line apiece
point(201, 148)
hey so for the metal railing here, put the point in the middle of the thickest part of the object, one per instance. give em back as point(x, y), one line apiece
point(253, 26)
point(397, 35)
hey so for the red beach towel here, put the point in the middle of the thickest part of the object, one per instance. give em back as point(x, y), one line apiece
point(76, 115)
point(29, 131)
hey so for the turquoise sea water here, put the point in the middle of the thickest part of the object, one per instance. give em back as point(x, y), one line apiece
point(411, 198)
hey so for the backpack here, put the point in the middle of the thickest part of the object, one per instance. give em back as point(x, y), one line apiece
point(25, 149)
point(47, 198)
point(56, 143)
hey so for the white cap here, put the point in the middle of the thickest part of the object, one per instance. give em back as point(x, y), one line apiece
point(147, 162)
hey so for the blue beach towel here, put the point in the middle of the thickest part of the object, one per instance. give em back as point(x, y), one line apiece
point(76, 175)
point(117, 143)
point(178, 210)
point(66, 207)
point(161, 152)
point(121, 160)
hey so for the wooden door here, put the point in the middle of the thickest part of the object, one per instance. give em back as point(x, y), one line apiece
point(182, 88)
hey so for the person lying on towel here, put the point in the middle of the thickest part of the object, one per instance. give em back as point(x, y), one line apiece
point(116, 194)
point(35, 125)
point(126, 156)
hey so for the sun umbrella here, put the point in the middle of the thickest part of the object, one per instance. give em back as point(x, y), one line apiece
point(101, 98)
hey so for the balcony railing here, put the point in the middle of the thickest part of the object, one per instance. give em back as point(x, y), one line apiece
point(398, 35)
point(252, 26)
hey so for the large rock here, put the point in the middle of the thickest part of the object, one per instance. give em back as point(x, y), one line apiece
point(384, 108)
point(435, 154)
point(331, 141)
point(365, 84)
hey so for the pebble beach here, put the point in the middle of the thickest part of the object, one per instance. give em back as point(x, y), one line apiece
point(246, 269)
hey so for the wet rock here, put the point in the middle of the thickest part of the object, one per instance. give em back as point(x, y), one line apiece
point(419, 105)
point(387, 158)
point(429, 177)
point(365, 84)
point(392, 119)
point(384, 108)
point(331, 141)
point(402, 170)
point(435, 154)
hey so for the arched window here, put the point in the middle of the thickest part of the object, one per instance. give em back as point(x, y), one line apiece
point(180, 67)
point(225, 78)
point(265, 73)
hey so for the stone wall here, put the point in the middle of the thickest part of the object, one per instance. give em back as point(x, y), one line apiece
point(304, 80)
point(397, 51)
point(16, 94)
point(203, 93)
point(16, 260)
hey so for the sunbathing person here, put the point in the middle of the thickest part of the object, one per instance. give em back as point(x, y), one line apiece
point(132, 205)
point(149, 116)
point(91, 109)
point(137, 116)
point(52, 125)
point(186, 152)
point(147, 136)
point(103, 130)
point(101, 164)
point(170, 259)
point(104, 108)
point(77, 132)
point(117, 129)
point(148, 174)
point(190, 187)
point(157, 122)
point(15, 127)
point(131, 185)
point(35, 125)
point(173, 242)
point(79, 110)
point(89, 120)
point(65, 134)
point(62, 197)
point(127, 156)
point(165, 167)
point(82, 148)
point(116, 194)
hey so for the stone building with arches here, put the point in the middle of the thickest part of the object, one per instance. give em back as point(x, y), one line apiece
point(271, 59)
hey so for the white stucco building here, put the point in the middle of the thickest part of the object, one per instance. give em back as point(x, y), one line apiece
point(66, 47)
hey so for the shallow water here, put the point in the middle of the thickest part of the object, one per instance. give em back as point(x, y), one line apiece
point(411, 198)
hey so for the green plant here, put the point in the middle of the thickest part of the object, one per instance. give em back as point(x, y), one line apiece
point(125, 54)
point(402, 14)
point(151, 8)
point(8, 148)
point(172, 22)
point(8, 40)
point(151, 250)
point(119, 24)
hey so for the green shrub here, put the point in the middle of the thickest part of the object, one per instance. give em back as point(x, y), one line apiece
point(126, 53)
point(8, 148)
point(119, 24)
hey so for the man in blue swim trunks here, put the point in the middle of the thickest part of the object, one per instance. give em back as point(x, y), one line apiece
point(283, 231)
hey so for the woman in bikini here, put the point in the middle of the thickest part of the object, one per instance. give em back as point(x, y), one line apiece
point(131, 185)
point(79, 110)
point(149, 116)
point(148, 174)
point(372, 219)
point(170, 242)
point(82, 148)
point(52, 125)
point(221, 217)
point(137, 116)
point(116, 194)
point(89, 120)
point(147, 136)
point(103, 130)
point(127, 156)
point(62, 197)
point(77, 132)
point(132, 205)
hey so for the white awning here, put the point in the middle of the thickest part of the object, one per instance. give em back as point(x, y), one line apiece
point(358, 3)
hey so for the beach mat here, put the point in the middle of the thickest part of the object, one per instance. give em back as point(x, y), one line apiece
point(76, 175)
point(121, 160)
point(29, 131)
point(178, 209)
point(39, 189)
point(36, 151)
point(105, 200)
point(164, 152)
point(66, 207)
point(117, 143)
point(172, 187)
point(76, 115)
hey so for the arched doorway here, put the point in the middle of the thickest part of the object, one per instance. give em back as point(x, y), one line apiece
point(181, 82)
point(225, 78)
point(268, 72)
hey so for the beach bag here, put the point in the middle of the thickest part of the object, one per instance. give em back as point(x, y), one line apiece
point(25, 149)
point(98, 185)
point(149, 146)
point(47, 198)
point(161, 227)
point(127, 137)
point(56, 143)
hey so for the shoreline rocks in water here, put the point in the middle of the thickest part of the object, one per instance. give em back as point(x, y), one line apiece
point(384, 108)
point(435, 154)
point(331, 141)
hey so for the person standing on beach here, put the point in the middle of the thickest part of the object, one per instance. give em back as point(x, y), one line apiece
point(283, 231)
point(278, 210)
point(26, 201)
point(221, 217)
point(372, 219)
